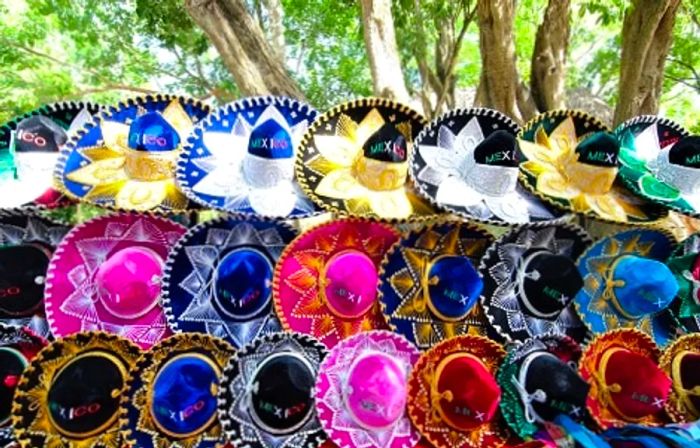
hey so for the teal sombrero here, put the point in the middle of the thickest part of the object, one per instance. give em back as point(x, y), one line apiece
point(660, 162)
point(627, 284)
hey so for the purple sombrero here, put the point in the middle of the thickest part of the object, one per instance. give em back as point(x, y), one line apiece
point(105, 275)
point(361, 391)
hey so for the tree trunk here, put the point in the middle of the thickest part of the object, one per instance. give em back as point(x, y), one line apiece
point(243, 47)
point(499, 83)
point(275, 14)
point(380, 41)
point(647, 32)
point(549, 56)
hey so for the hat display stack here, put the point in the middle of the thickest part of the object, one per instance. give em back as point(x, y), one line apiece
point(266, 275)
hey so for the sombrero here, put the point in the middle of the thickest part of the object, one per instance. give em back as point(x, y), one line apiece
point(18, 346)
point(453, 395)
point(241, 158)
point(681, 362)
point(125, 158)
point(29, 146)
point(361, 391)
point(571, 160)
point(530, 279)
point(466, 161)
point(627, 385)
point(354, 160)
point(266, 393)
point(69, 394)
point(218, 278)
point(684, 262)
point(26, 244)
point(661, 162)
point(626, 283)
point(105, 275)
point(539, 380)
point(429, 286)
point(171, 398)
point(325, 282)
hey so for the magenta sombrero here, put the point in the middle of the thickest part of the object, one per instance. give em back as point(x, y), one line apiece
point(105, 275)
point(361, 391)
point(325, 282)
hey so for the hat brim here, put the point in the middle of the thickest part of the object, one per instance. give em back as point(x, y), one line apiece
point(24, 226)
point(92, 166)
point(30, 414)
point(325, 170)
point(30, 188)
point(70, 305)
point(630, 339)
point(563, 347)
point(500, 301)
point(600, 315)
point(296, 280)
point(136, 424)
point(635, 173)
point(492, 433)
point(689, 323)
point(187, 283)
point(435, 167)
point(330, 405)
point(400, 285)
point(675, 407)
point(629, 208)
point(236, 421)
point(210, 167)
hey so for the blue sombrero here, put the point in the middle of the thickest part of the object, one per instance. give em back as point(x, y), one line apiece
point(125, 158)
point(627, 284)
point(218, 279)
point(241, 159)
point(429, 285)
point(171, 398)
point(29, 148)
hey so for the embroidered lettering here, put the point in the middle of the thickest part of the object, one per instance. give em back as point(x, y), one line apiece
point(641, 397)
point(9, 292)
point(31, 137)
point(268, 143)
point(154, 140)
point(551, 292)
point(693, 160)
point(351, 297)
point(387, 148)
point(73, 413)
point(282, 413)
point(502, 155)
point(456, 296)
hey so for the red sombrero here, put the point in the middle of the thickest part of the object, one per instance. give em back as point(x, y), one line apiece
point(627, 385)
point(325, 282)
point(105, 275)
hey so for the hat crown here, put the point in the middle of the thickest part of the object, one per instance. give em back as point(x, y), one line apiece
point(280, 392)
point(349, 284)
point(128, 282)
point(83, 396)
point(151, 132)
point(12, 364)
point(685, 374)
point(375, 391)
point(184, 394)
point(645, 286)
point(600, 149)
point(499, 148)
point(637, 387)
point(271, 140)
point(547, 283)
point(22, 276)
point(453, 286)
point(686, 152)
point(564, 389)
point(243, 283)
point(386, 145)
point(468, 392)
point(39, 134)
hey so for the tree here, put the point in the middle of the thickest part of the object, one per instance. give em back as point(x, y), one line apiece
point(647, 33)
point(547, 77)
point(380, 40)
point(243, 47)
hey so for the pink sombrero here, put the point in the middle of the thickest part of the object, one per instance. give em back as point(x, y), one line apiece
point(361, 391)
point(325, 282)
point(105, 275)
